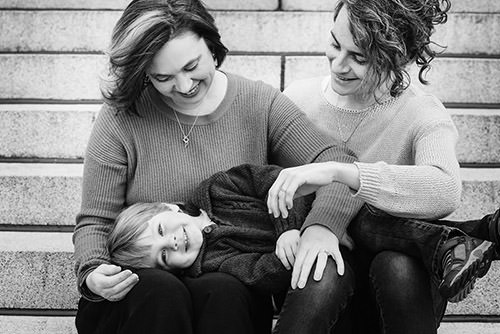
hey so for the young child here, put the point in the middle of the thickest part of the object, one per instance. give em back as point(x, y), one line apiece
point(226, 226)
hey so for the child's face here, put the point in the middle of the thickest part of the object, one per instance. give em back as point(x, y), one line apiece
point(175, 239)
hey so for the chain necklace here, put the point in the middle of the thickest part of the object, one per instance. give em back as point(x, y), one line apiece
point(185, 136)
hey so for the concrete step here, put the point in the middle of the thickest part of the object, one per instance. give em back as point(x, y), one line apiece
point(76, 77)
point(277, 31)
point(483, 6)
point(49, 194)
point(288, 5)
point(37, 273)
point(62, 130)
point(121, 4)
point(65, 325)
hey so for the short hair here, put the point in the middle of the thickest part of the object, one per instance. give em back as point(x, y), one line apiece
point(129, 226)
point(393, 34)
point(143, 29)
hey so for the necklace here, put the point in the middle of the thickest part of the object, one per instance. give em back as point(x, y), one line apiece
point(185, 136)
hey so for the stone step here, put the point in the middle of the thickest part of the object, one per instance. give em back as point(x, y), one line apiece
point(121, 4)
point(288, 5)
point(278, 31)
point(65, 325)
point(484, 6)
point(76, 77)
point(61, 131)
point(37, 273)
point(49, 194)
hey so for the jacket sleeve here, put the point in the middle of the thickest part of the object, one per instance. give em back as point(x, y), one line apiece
point(264, 272)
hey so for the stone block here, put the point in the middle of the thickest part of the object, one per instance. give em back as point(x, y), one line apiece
point(41, 275)
point(76, 77)
point(121, 4)
point(469, 328)
point(479, 135)
point(37, 325)
point(453, 80)
point(478, 6)
point(45, 131)
point(40, 194)
point(242, 31)
point(480, 193)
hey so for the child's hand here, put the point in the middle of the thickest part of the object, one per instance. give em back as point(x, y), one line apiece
point(286, 246)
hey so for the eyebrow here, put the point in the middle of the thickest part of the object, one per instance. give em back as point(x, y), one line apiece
point(194, 60)
point(350, 51)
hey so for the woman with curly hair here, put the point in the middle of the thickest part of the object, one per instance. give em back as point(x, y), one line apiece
point(405, 141)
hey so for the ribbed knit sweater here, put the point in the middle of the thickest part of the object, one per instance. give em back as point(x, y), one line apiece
point(133, 159)
point(405, 146)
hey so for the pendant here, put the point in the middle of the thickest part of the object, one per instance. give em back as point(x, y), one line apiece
point(185, 139)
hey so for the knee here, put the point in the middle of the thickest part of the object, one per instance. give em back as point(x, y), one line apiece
point(398, 275)
point(159, 286)
point(220, 286)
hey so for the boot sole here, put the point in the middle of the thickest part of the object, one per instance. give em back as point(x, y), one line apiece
point(477, 266)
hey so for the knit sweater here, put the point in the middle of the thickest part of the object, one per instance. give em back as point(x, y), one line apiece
point(133, 159)
point(243, 239)
point(405, 146)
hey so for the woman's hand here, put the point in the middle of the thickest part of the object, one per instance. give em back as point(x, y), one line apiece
point(110, 282)
point(286, 247)
point(296, 182)
point(316, 244)
point(303, 180)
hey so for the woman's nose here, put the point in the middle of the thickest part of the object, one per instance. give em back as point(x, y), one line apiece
point(339, 63)
point(183, 83)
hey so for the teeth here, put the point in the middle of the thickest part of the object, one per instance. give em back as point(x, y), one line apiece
point(185, 239)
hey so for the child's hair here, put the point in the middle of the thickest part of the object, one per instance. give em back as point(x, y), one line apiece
point(129, 225)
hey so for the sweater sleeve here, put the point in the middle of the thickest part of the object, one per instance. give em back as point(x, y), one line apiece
point(103, 195)
point(295, 140)
point(430, 189)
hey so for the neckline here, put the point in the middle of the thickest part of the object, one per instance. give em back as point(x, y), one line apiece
point(373, 106)
point(164, 109)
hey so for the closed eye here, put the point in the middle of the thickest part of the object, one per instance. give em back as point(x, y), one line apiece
point(160, 230)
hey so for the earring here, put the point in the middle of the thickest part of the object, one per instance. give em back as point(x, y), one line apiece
point(146, 80)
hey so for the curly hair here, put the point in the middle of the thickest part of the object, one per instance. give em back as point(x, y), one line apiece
point(393, 34)
point(143, 29)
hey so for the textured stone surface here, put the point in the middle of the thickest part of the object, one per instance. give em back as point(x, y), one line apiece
point(40, 194)
point(241, 31)
point(37, 325)
point(453, 80)
point(491, 6)
point(479, 131)
point(480, 192)
point(76, 77)
point(121, 4)
point(45, 131)
point(469, 328)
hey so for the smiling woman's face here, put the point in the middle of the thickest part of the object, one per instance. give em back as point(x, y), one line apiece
point(175, 239)
point(183, 71)
point(348, 65)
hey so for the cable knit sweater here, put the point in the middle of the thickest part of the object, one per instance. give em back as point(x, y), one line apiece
point(133, 159)
point(243, 239)
point(406, 148)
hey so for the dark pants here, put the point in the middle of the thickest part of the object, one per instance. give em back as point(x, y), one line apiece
point(320, 307)
point(215, 303)
point(395, 259)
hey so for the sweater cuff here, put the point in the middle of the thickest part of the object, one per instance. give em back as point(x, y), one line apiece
point(369, 178)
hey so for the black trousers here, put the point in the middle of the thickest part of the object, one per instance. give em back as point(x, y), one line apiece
point(214, 303)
